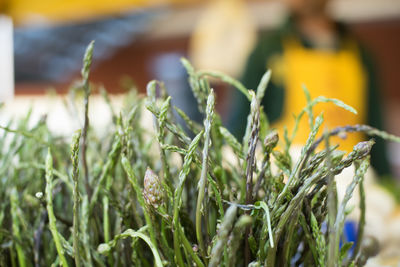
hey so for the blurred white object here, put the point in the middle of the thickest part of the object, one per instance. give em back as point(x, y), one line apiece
point(60, 120)
point(6, 59)
point(223, 37)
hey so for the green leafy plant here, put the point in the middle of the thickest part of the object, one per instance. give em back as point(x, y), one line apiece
point(172, 198)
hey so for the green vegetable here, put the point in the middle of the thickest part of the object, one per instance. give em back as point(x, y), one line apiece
point(172, 198)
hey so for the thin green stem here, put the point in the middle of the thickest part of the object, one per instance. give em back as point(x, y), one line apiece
point(87, 62)
point(203, 176)
point(75, 178)
point(178, 198)
point(50, 211)
point(339, 223)
point(361, 223)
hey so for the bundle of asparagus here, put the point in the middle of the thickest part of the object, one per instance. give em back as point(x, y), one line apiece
point(170, 197)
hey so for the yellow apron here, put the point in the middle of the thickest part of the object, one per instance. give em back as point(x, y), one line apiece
point(334, 74)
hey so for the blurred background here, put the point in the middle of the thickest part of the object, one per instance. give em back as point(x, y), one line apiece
point(42, 43)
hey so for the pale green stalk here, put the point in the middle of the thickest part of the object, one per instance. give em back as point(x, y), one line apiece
point(339, 223)
point(178, 195)
point(203, 176)
point(50, 212)
point(332, 254)
point(252, 144)
point(160, 129)
point(75, 177)
point(361, 223)
point(87, 62)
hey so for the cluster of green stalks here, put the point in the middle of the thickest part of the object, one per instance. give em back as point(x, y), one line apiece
point(111, 201)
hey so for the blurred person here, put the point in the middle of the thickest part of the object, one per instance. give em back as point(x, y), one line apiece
point(313, 50)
